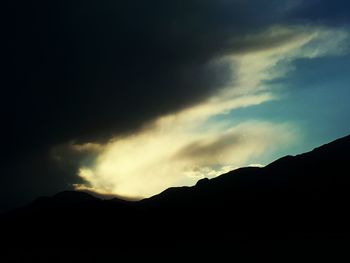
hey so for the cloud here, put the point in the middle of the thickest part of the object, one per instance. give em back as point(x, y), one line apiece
point(89, 72)
point(86, 70)
point(180, 148)
point(147, 163)
point(322, 11)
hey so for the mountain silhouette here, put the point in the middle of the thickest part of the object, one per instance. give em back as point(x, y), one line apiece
point(294, 198)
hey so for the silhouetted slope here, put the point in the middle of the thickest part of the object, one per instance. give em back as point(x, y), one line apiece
point(62, 199)
point(305, 196)
point(322, 171)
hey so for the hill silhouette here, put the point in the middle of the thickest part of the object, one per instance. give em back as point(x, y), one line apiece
point(296, 197)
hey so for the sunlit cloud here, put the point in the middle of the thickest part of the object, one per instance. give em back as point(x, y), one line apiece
point(146, 163)
point(180, 148)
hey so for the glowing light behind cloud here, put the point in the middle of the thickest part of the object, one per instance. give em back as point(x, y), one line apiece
point(180, 148)
point(145, 164)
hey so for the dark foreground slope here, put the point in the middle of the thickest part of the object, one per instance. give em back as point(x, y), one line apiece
point(301, 197)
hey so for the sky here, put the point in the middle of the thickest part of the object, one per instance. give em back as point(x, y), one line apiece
point(128, 98)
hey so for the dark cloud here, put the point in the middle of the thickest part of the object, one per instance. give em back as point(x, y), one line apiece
point(210, 151)
point(86, 70)
point(331, 12)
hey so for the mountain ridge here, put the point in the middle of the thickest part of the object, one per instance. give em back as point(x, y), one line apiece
point(294, 197)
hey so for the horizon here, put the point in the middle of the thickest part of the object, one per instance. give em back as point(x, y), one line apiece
point(112, 196)
point(128, 99)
